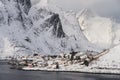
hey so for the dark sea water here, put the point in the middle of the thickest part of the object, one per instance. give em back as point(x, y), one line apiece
point(8, 74)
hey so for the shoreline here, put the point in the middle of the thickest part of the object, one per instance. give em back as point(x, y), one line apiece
point(85, 70)
point(91, 71)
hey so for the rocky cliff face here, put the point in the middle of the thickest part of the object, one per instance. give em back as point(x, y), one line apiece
point(26, 30)
point(14, 10)
point(13, 22)
point(44, 20)
point(26, 4)
point(55, 21)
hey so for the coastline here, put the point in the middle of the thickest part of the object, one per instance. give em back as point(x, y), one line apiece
point(91, 71)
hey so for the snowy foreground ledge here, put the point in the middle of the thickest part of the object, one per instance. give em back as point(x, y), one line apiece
point(85, 70)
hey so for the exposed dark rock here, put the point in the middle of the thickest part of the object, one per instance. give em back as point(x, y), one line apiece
point(55, 21)
point(50, 21)
point(26, 4)
point(28, 39)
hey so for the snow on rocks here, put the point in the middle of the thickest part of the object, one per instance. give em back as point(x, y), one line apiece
point(40, 29)
point(98, 30)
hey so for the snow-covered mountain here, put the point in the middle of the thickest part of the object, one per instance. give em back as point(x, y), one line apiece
point(45, 28)
point(101, 31)
point(13, 24)
point(104, 32)
point(98, 30)
point(26, 29)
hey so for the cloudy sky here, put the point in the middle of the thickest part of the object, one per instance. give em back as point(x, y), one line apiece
point(103, 7)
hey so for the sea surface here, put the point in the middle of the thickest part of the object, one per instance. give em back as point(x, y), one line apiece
point(11, 74)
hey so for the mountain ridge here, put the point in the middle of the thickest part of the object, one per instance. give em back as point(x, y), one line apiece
point(29, 29)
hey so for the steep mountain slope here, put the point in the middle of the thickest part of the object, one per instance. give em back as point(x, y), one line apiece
point(12, 24)
point(61, 31)
point(27, 30)
point(104, 32)
point(98, 30)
